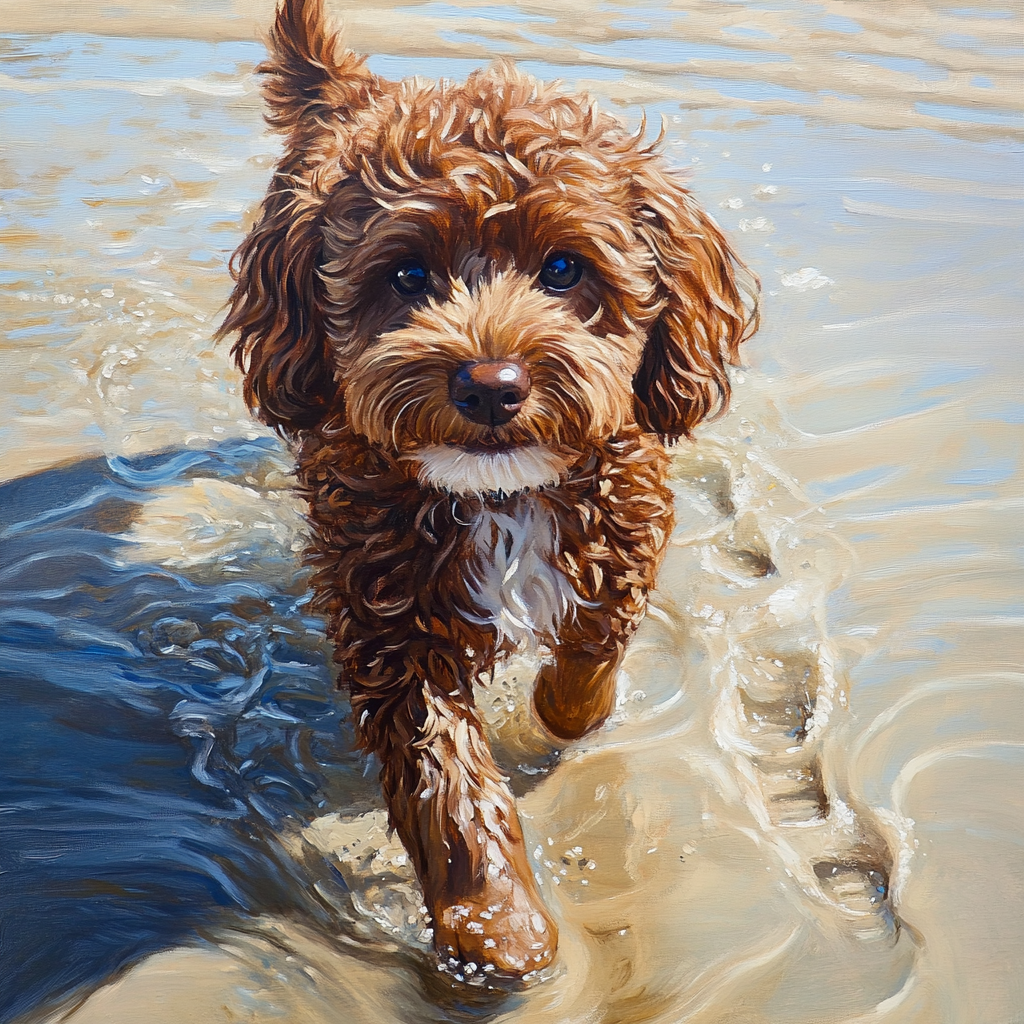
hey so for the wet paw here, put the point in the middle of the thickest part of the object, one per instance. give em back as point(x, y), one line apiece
point(575, 694)
point(511, 938)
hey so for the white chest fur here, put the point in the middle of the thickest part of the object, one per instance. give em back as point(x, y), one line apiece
point(511, 570)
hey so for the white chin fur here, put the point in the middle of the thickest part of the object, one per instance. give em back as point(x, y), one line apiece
point(466, 473)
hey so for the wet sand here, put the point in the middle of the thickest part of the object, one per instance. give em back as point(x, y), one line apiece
point(807, 806)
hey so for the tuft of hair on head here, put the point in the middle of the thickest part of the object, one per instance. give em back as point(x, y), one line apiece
point(310, 79)
point(710, 306)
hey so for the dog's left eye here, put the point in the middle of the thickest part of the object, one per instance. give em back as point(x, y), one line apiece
point(561, 272)
point(410, 278)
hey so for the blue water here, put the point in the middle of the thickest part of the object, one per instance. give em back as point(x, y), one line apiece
point(159, 732)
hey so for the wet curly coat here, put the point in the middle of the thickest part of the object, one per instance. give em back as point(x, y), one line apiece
point(420, 243)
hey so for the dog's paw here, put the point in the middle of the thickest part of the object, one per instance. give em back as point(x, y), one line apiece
point(510, 937)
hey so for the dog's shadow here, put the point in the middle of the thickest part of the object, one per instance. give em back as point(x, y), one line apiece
point(168, 711)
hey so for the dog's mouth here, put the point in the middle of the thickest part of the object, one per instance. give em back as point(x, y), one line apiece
point(488, 445)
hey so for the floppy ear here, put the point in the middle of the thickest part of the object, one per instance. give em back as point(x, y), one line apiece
point(277, 309)
point(312, 86)
point(682, 377)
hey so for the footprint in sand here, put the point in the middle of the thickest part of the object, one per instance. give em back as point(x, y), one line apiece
point(769, 574)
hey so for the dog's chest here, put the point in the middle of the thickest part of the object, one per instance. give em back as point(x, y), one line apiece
point(511, 571)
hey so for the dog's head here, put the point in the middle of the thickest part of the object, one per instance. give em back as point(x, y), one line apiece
point(486, 276)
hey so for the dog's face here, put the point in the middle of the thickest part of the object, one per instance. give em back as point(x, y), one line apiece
point(481, 279)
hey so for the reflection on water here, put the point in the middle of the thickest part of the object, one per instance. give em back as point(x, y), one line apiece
point(807, 806)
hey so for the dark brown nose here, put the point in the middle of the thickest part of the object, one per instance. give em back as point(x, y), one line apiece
point(489, 393)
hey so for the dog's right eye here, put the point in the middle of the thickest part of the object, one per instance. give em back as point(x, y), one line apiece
point(561, 272)
point(410, 278)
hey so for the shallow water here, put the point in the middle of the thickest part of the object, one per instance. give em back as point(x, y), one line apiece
point(808, 804)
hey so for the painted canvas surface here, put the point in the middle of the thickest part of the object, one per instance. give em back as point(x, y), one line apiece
point(807, 804)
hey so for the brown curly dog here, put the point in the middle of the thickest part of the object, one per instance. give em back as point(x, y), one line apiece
point(479, 311)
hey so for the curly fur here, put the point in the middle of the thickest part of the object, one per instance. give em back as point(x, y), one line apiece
point(440, 542)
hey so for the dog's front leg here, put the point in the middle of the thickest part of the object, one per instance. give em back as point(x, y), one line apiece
point(456, 816)
point(613, 532)
point(575, 693)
